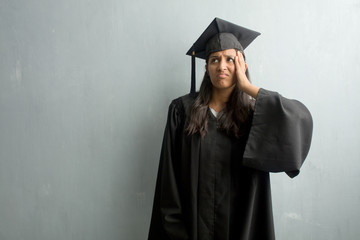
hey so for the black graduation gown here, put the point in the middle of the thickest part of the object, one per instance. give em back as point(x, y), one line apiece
point(218, 187)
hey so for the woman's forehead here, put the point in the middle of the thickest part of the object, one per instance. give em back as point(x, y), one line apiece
point(227, 52)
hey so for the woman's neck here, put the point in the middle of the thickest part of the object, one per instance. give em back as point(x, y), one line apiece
point(219, 98)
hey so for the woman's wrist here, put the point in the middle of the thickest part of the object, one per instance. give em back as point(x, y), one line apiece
point(250, 89)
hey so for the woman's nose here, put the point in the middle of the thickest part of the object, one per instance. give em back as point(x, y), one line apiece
point(222, 64)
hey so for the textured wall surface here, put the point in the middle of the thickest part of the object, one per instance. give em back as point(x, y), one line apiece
point(84, 91)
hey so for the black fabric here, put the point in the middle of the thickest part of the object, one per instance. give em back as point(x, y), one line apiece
point(206, 190)
point(222, 41)
point(244, 36)
point(280, 134)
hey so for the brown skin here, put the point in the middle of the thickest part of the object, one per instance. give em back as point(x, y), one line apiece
point(226, 68)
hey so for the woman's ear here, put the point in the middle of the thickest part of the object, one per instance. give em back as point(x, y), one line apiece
point(245, 67)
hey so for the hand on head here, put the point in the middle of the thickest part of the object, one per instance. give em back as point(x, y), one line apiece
point(241, 67)
point(243, 82)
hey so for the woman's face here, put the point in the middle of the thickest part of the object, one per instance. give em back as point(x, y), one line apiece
point(221, 68)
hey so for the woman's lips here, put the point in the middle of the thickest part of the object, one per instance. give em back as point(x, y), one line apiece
point(222, 75)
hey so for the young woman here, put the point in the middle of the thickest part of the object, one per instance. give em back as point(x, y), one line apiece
point(220, 145)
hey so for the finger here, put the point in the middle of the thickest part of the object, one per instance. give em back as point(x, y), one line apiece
point(242, 61)
point(237, 61)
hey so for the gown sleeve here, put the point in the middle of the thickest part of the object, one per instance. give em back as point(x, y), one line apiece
point(280, 134)
point(167, 218)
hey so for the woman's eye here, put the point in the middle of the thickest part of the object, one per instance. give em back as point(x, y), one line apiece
point(214, 60)
point(230, 59)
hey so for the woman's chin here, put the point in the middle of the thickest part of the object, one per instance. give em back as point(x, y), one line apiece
point(223, 86)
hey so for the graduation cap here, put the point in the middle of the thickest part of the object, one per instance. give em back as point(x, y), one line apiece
point(219, 35)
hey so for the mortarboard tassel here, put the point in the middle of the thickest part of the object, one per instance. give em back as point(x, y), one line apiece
point(193, 80)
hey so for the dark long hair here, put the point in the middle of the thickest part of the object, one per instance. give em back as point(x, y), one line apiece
point(234, 119)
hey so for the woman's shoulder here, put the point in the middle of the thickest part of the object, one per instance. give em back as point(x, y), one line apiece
point(180, 108)
point(183, 103)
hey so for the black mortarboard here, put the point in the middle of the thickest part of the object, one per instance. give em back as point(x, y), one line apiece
point(219, 35)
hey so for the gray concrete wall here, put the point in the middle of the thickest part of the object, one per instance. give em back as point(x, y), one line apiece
point(84, 90)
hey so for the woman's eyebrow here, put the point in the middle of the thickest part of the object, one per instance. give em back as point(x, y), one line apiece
point(216, 56)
